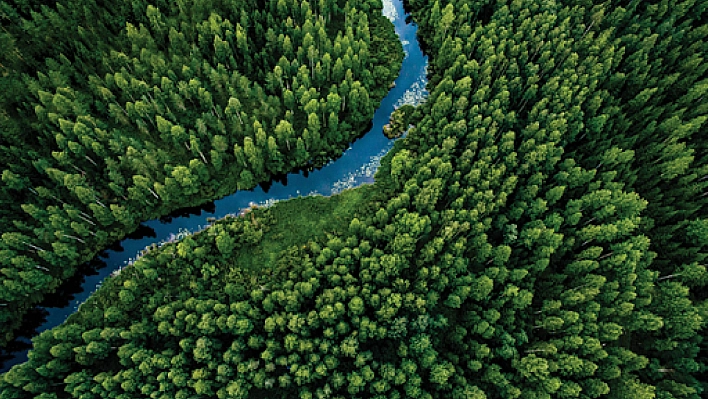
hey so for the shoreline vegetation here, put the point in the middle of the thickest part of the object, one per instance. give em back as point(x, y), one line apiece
point(283, 226)
point(290, 223)
point(130, 146)
point(399, 122)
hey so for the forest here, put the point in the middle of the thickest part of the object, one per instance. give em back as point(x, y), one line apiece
point(540, 232)
point(153, 106)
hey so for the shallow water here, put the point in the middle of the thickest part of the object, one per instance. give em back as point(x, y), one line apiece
point(355, 167)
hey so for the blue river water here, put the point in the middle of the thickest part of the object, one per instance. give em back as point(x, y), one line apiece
point(355, 167)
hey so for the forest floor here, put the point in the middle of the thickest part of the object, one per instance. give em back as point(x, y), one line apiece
point(298, 221)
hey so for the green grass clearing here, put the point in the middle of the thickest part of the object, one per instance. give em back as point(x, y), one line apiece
point(297, 221)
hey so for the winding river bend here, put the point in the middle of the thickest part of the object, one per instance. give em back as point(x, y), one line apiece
point(355, 167)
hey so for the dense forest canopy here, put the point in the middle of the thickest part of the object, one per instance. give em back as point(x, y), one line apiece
point(541, 232)
point(113, 114)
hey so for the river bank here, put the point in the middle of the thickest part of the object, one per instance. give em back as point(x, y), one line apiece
point(355, 167)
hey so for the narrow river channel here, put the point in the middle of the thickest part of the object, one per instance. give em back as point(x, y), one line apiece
point(356, 166)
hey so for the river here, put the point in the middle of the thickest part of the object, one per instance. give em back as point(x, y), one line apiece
point(355, 167)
